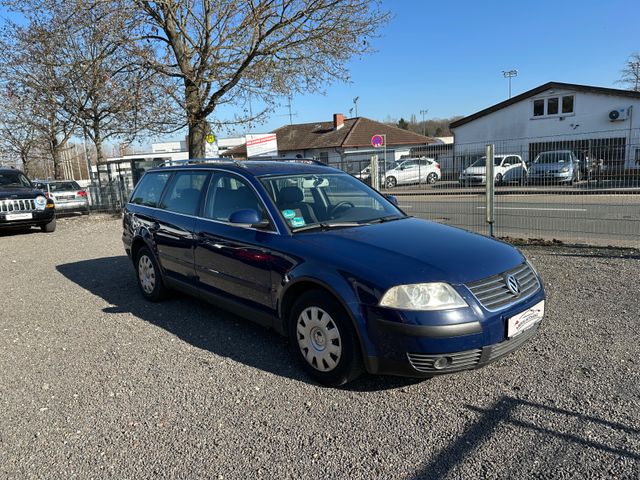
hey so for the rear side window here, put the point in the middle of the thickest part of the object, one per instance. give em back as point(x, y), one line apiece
point(150, 189)
point(184, 192)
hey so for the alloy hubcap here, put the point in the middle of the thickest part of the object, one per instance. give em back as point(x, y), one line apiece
point(146, 274)
point(319, 339)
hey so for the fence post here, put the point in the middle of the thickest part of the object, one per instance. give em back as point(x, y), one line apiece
point(490, 187)
point(375, 178)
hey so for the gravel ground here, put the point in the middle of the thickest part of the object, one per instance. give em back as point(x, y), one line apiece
point(97, 383)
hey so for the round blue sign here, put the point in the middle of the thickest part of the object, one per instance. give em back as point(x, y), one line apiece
point(377, 140)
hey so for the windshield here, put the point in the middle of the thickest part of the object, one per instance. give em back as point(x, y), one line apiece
point(14, 180)
point(482, 161)
point(326, 201)
point(553, 157)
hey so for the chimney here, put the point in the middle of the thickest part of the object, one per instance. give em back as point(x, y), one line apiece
point(338, 121)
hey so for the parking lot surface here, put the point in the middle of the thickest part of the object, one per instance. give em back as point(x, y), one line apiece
point(95, 382)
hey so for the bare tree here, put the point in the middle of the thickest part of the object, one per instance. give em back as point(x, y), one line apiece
point(30, 64)
point(630, 74)
point(228, 51)
point(19, 137)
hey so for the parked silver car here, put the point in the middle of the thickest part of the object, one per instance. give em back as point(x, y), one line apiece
point(558, 166)
point(67, 195)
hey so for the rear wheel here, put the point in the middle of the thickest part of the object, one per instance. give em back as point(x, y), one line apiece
point(49, 227)
point(148, 274)
point(391, 182)
point(498, 179)
point(324, 339)
point(432, 178)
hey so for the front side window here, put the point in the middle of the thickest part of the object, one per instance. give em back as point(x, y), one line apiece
point(538, 107)
point(227, 194)
point(150, 189)
point(325, 201)
point(184, 191)
point(552, 106)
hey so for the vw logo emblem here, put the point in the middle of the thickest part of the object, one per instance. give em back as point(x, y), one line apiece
point(512, 284)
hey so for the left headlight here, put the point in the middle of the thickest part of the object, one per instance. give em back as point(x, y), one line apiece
point(41, 202)
point(564, 170)
point(422, 296)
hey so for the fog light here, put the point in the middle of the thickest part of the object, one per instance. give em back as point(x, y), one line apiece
point(442, 362)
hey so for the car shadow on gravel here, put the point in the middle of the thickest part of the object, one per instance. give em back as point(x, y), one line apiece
point(199, 323)
point(557, 429)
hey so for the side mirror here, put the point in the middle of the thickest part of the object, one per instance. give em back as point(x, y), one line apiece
point(392, 199)
point(248, 218)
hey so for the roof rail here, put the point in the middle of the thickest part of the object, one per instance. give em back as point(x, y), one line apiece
point(197, 161)
point(288, 160)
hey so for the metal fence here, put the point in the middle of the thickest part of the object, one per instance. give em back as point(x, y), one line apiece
point(576, 189)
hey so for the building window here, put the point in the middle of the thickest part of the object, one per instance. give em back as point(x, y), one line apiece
point(567, 104)
point(324, 157)
point(538, 107)
point(551, 106)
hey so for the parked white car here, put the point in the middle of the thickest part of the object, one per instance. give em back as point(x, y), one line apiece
point(413, 170)
point(507, 168)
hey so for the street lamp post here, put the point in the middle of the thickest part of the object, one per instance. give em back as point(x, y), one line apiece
point(509, 74)
point(424, 125)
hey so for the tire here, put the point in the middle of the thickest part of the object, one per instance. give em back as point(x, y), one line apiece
point(432, 178)
point(324, 340)
point(499, 179)
point(148, 276)
point(49, 227)
point(390, 182)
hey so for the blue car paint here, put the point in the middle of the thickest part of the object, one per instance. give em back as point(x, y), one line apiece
point(357, 265)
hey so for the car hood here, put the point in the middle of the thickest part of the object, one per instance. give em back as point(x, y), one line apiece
point(413, 250)
point(544, 167)
point(22, 192)
point(474, 170)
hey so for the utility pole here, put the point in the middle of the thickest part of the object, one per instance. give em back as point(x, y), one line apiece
point(510, 74)
point(355, 103)
point(424, 125)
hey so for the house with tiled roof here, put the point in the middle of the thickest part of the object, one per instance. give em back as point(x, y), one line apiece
point(343, 141)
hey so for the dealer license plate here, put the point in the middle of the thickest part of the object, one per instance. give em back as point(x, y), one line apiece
point(19, 216)
point(525, 320)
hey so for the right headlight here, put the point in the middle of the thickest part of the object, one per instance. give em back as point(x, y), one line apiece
point(422, 296)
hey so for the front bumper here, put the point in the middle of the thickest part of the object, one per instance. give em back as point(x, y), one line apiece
point(39, 217)
point(412, 346)
point(476, 179)
point(550, 177)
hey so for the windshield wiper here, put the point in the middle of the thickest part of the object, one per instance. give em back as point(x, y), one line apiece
point(327, 226)
point(388, 218)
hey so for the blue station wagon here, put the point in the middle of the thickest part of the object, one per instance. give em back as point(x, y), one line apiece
point(314, 253)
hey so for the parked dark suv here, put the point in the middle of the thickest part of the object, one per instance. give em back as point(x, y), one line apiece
point(323, 258)
point(22, 205)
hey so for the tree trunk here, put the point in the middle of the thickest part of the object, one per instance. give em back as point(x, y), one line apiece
point(98, 144)
point(56, 154)
point(198, 131)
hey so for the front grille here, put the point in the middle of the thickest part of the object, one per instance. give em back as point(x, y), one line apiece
point(17, 205)
point(493, 293)
point(469, 359)
point(457, 361)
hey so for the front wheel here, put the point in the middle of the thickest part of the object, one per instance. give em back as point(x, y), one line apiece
point(390, 182)
point(499, 179)
point(49, 227)
point(324, 339)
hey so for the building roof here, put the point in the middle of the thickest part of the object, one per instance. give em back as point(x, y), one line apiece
point(356, 132)
point(543, 88)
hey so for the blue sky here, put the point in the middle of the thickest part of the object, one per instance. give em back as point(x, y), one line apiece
point(447, 57)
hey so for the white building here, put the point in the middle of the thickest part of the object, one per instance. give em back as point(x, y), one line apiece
point(594, 122)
